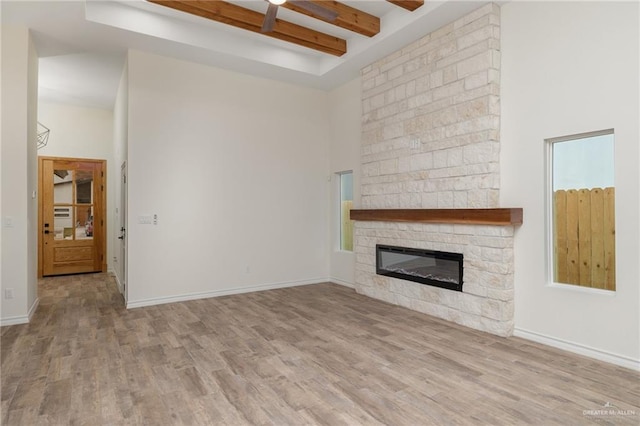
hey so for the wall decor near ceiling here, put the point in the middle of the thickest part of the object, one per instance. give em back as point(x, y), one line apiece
point(43, 135)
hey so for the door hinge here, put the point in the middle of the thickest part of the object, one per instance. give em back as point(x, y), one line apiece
point(124, 179)
point(101, 222)
point(101, 257)
point(102, 187)
point(101, 174)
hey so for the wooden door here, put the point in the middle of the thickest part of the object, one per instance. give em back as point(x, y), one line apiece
point(72, 216)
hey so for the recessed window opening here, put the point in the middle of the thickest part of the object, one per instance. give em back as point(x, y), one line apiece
point(346, 204)
point(582, 217)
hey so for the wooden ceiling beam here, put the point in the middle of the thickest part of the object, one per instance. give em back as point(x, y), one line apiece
point(410, 5)
point(349, 18)
point(231, 14)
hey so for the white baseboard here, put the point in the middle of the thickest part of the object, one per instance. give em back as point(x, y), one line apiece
point(21, 319)
point(342, 283)
point(119, 283)
point(622, 361)
point(216, 293)
point(33, 308)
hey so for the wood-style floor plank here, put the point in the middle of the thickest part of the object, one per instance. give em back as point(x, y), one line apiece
point(311, 355)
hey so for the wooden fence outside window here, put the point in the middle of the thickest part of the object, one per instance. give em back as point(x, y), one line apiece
point(584, 237)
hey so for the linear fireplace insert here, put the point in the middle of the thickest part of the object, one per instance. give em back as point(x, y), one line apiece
point(437, 268)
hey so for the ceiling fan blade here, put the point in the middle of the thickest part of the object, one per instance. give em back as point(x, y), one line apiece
point(269, 18)
point(326, 14)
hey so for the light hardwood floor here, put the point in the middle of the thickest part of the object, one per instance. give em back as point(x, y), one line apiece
point(318, 354)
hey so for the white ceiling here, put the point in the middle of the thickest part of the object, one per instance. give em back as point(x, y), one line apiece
point(82, 44)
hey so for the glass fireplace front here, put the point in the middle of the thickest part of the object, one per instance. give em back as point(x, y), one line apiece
point(437, 268)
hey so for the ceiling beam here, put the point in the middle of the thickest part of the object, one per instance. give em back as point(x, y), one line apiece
point(247, 19)
point(349, 18)
point(410, 5)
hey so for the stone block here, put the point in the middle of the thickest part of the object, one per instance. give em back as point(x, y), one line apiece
point(401, 300)
point(371, 169)
point(472, 109)
point(429, 200)
point(436, 79)
point(487, 9)
point(481, 34)
point(460, 56)
point(482, 152)
point(469, 303)
point(401, 92)
point(493, 76)
point(422, 161)
point(440, 159)
point(388, 167)
point(472, 253)
point(448, 90)
point(430, 294)
point(433, 309)
point(474, 288)
point(454, 157)
point(491, 241)
point(393, 131)
point(443, 117)
point(380, 79)
point(389, 110)
point(494, 105)
point(420, 99)
point(471, 321)
point(377, 101)
point(410, 201)
point(504, 295)
point(368, 84)
point(493, 198)
point(499, 328)
point(445, 200)
point(492, 309)
point(436, 105)
point(395, 72)
point(480, 62)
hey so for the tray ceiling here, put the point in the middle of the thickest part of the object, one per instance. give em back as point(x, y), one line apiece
point(82, 45)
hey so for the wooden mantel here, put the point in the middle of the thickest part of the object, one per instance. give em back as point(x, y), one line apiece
point(503, 217)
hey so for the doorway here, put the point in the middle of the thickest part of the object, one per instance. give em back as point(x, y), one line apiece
point(71, 217)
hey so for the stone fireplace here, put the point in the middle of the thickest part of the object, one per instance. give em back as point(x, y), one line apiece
point(431, 140)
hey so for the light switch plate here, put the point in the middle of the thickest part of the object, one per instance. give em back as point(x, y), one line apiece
point(145, 219)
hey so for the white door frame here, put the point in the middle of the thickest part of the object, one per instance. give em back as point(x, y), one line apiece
point(122, 272)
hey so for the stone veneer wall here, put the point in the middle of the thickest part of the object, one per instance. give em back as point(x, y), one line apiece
point(431, 139)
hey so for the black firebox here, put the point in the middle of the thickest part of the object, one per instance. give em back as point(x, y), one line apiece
point(436, 268)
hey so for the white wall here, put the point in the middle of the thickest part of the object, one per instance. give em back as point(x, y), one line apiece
point(83, 132)
point(19, 175)
point(345, 113)
point(235, 167)
point(569, 68)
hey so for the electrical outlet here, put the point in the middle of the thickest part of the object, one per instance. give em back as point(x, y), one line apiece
point(8, 293)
